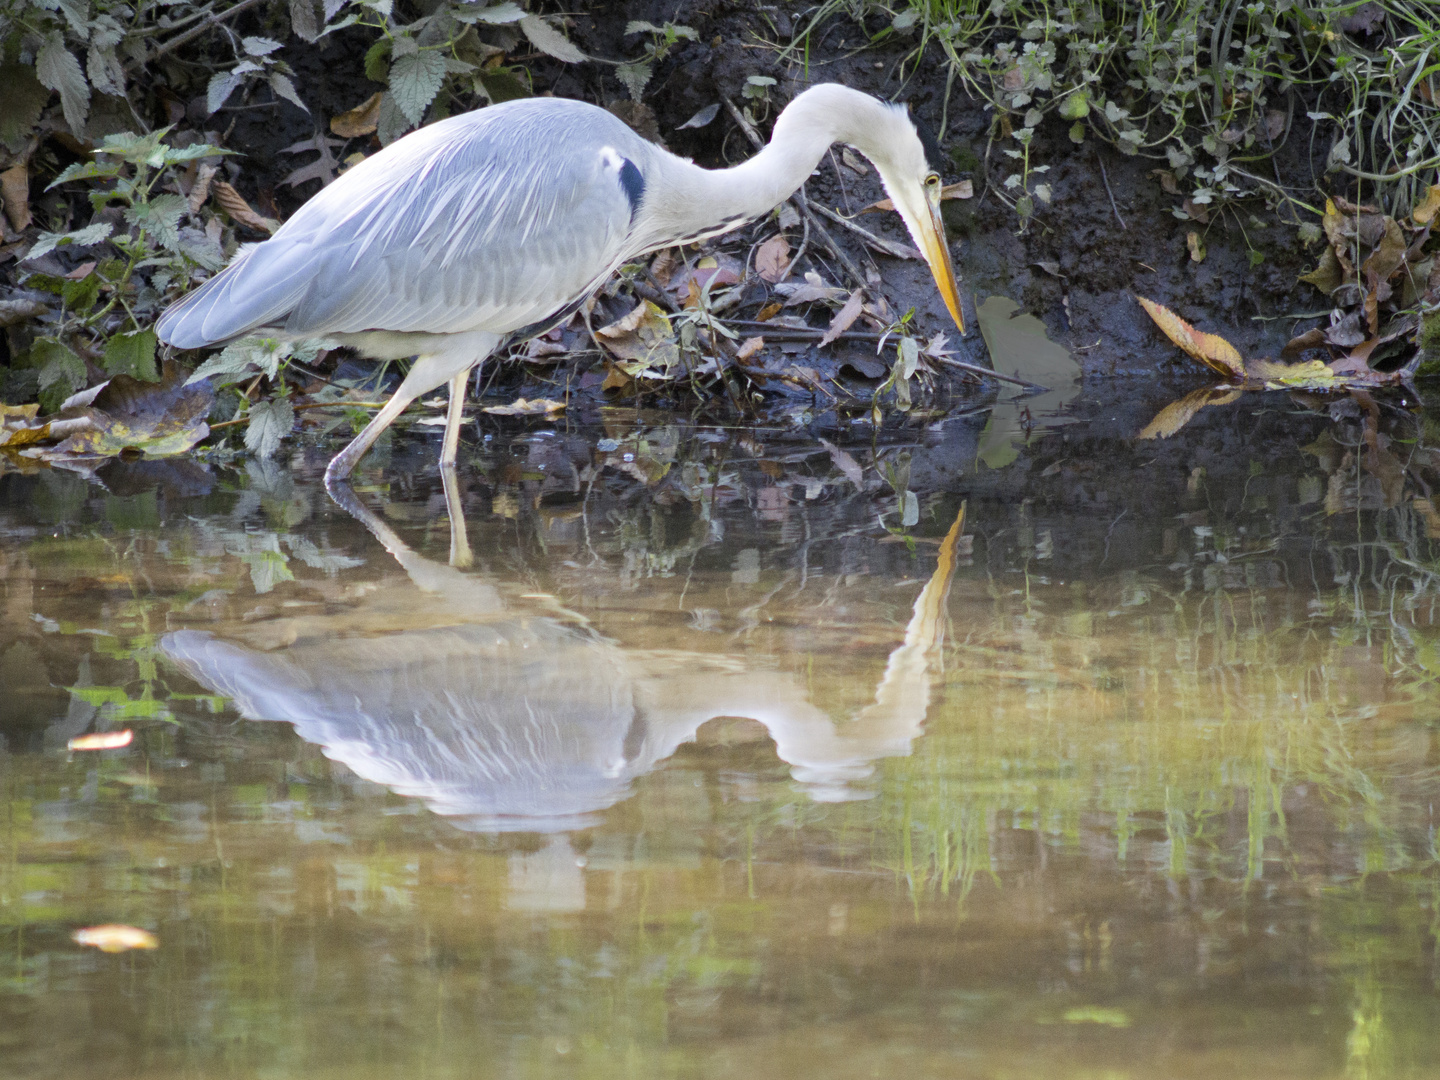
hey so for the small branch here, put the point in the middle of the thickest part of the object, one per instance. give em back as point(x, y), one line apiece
point(308, 405)
point(976, 369)
point(798, 199)
point(1106, 177)
point(890, 247)
point(195, 31)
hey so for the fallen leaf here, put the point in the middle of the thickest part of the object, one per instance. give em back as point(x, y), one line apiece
point(115, 937)
point(748, 348)
point(768, 312)
point(81, 272)
point(847, 465)
point(1179, 413)
point(1196, 246)
point(1329, 275)
point(1309, 340)
point(845, 317)
point(234, 204)
point(200, 189)
point(15, 190)
point(102, 740)
point(853, 163)
point(1168, 183)
point(644, 338)
point(363, 119)
point(701, 118)
point(1425, 212)
point(158, 418)
point(772, 259)
point(522, 407)
point(322, 168)
point(812, 289)
point(1210, 349)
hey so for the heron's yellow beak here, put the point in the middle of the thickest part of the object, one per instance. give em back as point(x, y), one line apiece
point(931, 236)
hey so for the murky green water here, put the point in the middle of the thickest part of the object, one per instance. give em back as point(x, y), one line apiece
point(680, 778)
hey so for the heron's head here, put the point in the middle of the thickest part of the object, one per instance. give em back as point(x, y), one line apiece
point(908, 163)
point(910, 171)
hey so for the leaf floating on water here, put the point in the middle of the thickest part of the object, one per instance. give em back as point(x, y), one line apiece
point(1210, 349)
point(1179, 413)
point(116, 937)
point(157, 419)
point(102, 740)
point(522, 407)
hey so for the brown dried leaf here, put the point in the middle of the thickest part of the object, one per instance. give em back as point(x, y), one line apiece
point(1311, 339)
point(1196, 212)
point(1196, 246)
point(1329, 275)
point(361, 120)
point(768, 312)
point(234, 204)
point(1210, 349)
point(15, 190)
point(1389, 253)
point(1179, 413)
point(772, 259)
point(200, 190)
point(1168, 183)
point(845, 317)
point(748, 348)
point(1426, 211)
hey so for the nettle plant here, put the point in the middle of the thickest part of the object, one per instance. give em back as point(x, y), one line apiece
point(1206, 87)
point(143, 245)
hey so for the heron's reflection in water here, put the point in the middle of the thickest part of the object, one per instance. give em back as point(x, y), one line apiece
point(507, 719)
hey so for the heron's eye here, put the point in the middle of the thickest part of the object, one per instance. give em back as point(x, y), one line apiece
point(933, 180)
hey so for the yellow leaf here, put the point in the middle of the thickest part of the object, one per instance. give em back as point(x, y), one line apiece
point(522, 407)
point(1210, 349)
point(1179, 413)
point(361, 120)
point(1425, 212)
point(101, 740)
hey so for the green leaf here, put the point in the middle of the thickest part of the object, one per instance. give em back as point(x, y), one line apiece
point(260, 46)
point(132, 354)
point(59, 366)
point(270, 421)
point(283, 87)
point(551, 41)
point(494, 15)
point(415, 80)
point(22, 99)
point(376, 68)
point(103, 67)
point(238, 360)
point(303, 20)
point(160, 218)
point(85, 170)
point(634, 77)
point(175, 155)
point(91, 234)
point(57, 68)
point(1076, 106)
point(80, 296)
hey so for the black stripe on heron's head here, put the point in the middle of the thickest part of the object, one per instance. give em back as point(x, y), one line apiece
point(932, 145)
point(633, 184)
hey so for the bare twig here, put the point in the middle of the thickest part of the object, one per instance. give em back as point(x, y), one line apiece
point(195, 31)
point(1106, 177)
point(798, 199)
point(984, 372)
point(890, 247)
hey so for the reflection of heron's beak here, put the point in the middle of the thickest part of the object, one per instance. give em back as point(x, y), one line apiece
point(937, 254)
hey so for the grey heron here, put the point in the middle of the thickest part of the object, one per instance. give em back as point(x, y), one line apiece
point(497, 225)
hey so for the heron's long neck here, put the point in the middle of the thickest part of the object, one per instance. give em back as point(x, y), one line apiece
point(692, 200)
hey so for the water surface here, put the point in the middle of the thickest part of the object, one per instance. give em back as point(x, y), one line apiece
point(680, 777)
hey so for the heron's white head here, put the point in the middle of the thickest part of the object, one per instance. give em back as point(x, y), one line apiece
point(888, 136)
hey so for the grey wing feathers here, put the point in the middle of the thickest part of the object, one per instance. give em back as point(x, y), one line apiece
point(486, 221)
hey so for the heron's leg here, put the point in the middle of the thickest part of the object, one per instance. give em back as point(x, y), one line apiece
point(460, 554)
point(453, 416)
point(426, 374)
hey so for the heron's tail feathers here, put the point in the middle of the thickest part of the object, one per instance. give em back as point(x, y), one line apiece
point(258, 289)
